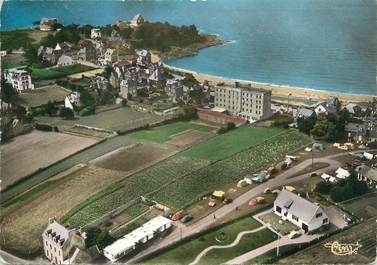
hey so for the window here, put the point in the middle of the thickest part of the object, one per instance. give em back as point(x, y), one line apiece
point(325, 221)
point(295, 218)
point(318, 215)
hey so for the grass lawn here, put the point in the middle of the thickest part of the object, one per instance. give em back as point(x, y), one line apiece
point(44, 73)
point(363, 207)
point(232, 142)
point(186, 252)
point(285, 227)
point(161, 134)
point(247, 243)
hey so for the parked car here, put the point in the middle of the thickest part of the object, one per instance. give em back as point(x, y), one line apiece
point(186, 218)
point(294, 234)
point(177, 216)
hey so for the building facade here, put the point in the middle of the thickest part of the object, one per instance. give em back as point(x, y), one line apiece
point(248, 103)
point(61, 243)
point(19, 79)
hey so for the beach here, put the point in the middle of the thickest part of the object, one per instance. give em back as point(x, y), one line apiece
point(280, 91)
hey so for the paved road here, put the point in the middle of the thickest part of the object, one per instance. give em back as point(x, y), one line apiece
point(234, 243)
point(282, 179)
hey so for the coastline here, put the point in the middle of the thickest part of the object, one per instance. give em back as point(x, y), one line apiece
point(277, 90)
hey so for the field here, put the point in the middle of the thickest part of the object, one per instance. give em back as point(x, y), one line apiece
point(231, 143)
point(42, 96)
point(184, 253)
point(23, 222)
point(184, 191)
point(133, 157)
point(121, 119)
point(365, 233)
point(27, 153)
point(163, 133)
point(131, 188)
point(189, 138)
point(363, 207)
point(54, 73)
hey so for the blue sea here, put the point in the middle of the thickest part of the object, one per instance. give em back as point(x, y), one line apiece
point(320, 44)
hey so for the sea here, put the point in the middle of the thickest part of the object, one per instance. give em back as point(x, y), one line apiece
point(328, 45)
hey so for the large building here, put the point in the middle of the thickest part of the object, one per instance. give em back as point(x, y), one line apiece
point(19, 79)
point(137, 237)
point(249, 103)
point(61, 244)
point(308, 216)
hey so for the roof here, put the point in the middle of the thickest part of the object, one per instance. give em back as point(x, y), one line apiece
point(296, 205)
point(304, 112)
point(58, 232)
point(342, 173)
point(367, 172)
point(130, 240)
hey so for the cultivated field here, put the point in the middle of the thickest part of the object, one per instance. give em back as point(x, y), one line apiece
point(188, 189)
point(121, 119)
point(131, 188)
point(164, 133)
point(189, 138)
point(134, 156)
point(231, 143)
point(42, 96)
point(23, 222)
point(27, 153)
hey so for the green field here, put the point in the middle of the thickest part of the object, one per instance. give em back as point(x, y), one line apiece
point(186, 252)
point(363, 207)
point(187, 190)
point(231, 143)
point(161, 134)
point(248, 242)
point(45, 74)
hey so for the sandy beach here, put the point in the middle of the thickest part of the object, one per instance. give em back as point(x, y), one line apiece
point(277, 90)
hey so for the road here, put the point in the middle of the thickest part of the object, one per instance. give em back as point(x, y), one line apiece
point(284, 178)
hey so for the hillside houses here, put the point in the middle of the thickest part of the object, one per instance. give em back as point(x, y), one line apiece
point(72, 100)
point(174, 89)
point(137, 21)
point(144, 57)
point(95, 33)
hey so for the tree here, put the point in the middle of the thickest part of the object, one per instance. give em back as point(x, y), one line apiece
point(323, 187)
point(50, 108)
point(7, 91)
point(66, 113)
point(305, 125)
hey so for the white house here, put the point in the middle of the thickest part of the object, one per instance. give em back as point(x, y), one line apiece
point(72, 100)
point(95, 33)
point(341, 173)
point(137, 237)
point(137, 20)
point(321, 109)
point(143, 57)
point(306, 215)
point(19, 79)
point(110, 55)
point(65, 60)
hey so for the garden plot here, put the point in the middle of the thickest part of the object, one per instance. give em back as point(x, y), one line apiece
point(134, 157)
point(27, 153)
point(131, 188)
point(23, 222)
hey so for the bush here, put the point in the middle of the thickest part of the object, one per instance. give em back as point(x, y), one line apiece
point(66, 113)
point(96, 236)
point(46, 128)
point(323, 187)
point(87, 111)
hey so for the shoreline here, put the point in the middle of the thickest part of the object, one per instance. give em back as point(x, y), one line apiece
point(277, 90)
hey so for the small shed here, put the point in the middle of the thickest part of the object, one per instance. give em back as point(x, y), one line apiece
point(341, 173)
point(218, 194)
